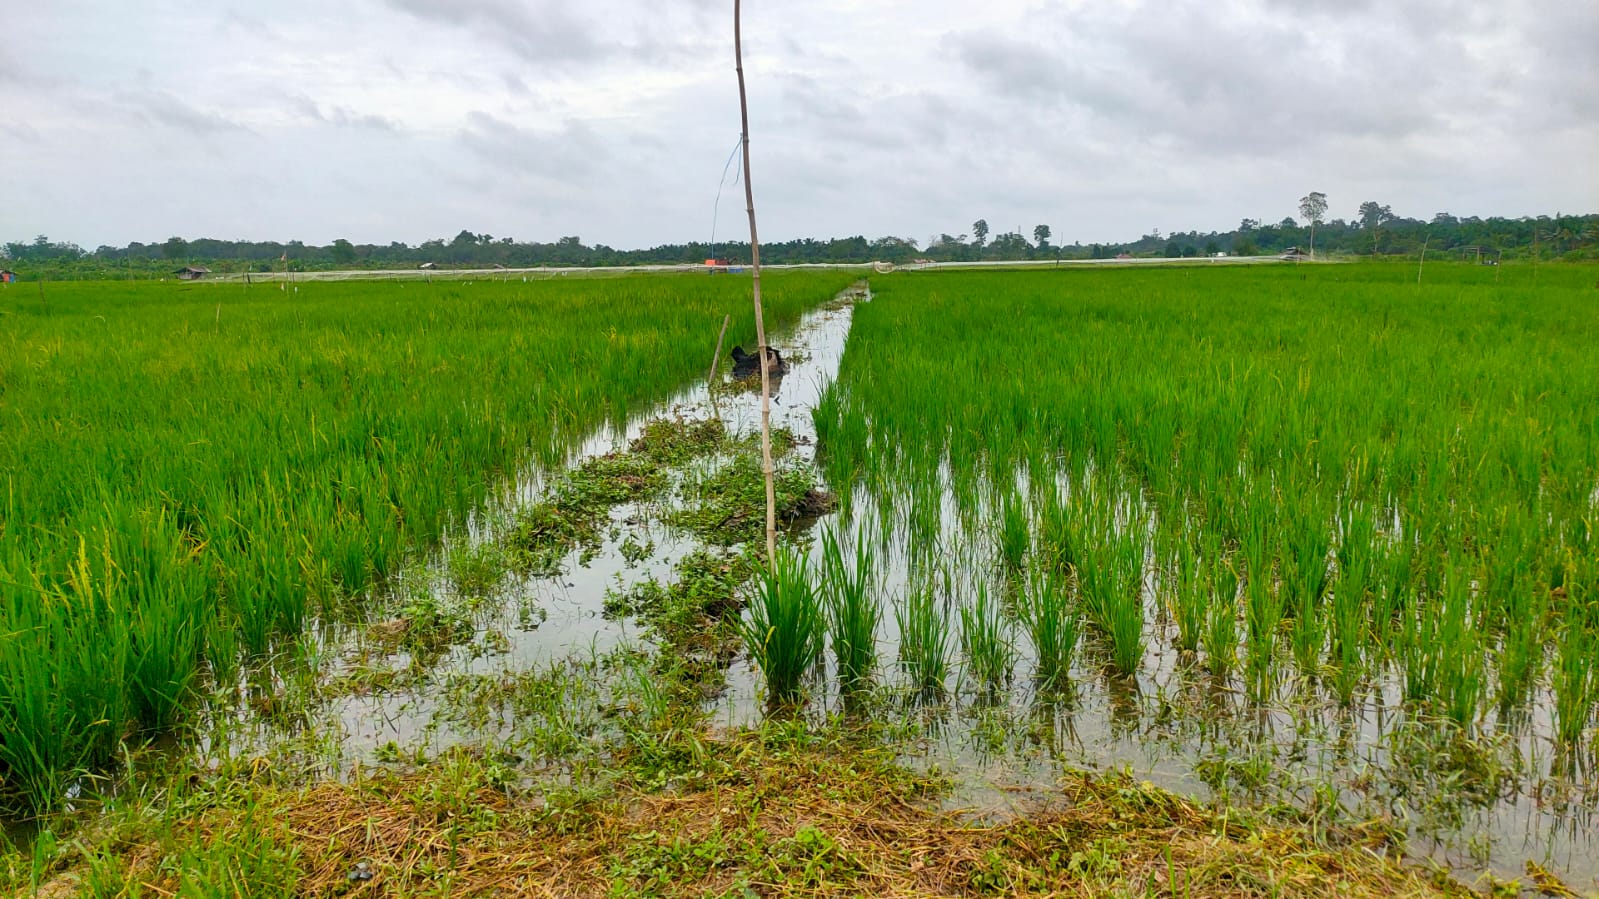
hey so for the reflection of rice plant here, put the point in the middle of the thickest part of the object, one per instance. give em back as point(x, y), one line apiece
point(988, 640)
point(784, 630)
point(924, 639)
point(1051, 622)
point(851, 608)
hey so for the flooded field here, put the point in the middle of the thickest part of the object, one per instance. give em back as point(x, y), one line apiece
point(1271, 558)
point(1257, 730)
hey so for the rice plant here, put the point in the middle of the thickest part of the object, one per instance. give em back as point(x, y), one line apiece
point(784, 629)
point(852, 609)
point(923, 620)
point(1187, 595)
point(1110, 578)
point(988, 641)
point(1350, 603)
point(247, 476)
point(1051, 621)
point(1221, 617)
point(1013, 534)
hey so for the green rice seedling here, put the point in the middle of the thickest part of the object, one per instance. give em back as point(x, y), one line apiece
point(1305, 586)
point(1441, 651)
point(1051, 621)
point(1461, 675)
point(1350, 603)
point(1111, 581)
point(1221, 617)
point(1059, 537)
point(988, 641)
point(1574, 674)
point(852, 609)
point(1262, 614)
point(923, 621)
point(1188, 594)
point(1520, 657)
point(784, 630)
point(1013, 535)
point(1398, 479)
point(1393, 597)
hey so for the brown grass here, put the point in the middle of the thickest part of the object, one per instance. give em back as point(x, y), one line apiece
point(772, 818)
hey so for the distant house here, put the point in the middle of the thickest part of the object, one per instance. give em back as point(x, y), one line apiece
point(7, 276)
point(1294, 254)
point(192, 272)
point(428, 266)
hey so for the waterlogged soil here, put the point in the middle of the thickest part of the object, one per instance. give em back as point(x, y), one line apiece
point(480, 614)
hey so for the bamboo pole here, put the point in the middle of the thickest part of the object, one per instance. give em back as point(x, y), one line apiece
point(760, 324)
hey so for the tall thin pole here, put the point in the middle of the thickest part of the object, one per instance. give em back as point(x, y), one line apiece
point(760, 323)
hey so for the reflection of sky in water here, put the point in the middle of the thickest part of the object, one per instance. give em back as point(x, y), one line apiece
point(1178, 728)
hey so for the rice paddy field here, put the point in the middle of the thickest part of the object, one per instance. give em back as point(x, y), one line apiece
point(193, 475)
point(1177, 581)
point(1300, 533)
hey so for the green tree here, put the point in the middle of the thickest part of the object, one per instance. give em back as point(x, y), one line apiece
point(175, 248)
point(1373, 216)
point(1313, 206)
point(979, 234)
point(1041, 236)
point(343, 252)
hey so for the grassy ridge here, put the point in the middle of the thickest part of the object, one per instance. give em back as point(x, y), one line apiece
point(1326, 467)
point(188, 473)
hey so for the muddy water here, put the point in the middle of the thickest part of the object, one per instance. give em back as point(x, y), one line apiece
point(1175, 727)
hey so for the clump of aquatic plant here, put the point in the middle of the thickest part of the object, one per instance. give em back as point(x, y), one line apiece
point(784, 629)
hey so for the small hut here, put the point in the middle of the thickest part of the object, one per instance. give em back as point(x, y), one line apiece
point(7, 276)
point(192, 272)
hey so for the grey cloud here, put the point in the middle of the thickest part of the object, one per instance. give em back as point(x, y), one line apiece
point(342, 116)
point(565, 154)
point(540, 32)
point(162, 108)
point(1223, 83)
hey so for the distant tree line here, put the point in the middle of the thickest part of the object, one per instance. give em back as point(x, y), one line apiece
point(1374, 230)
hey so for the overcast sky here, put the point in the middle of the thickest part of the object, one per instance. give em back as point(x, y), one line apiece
point(380, 120)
